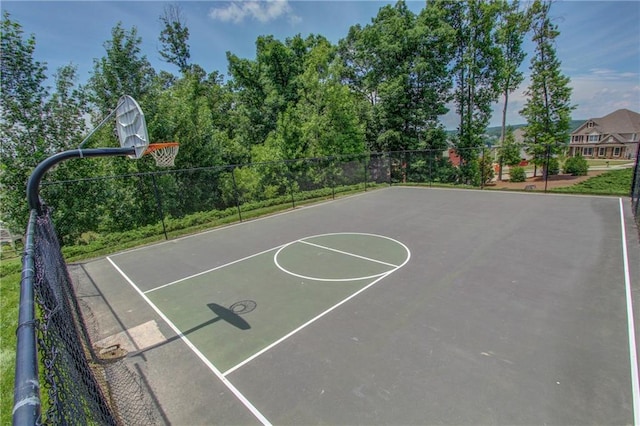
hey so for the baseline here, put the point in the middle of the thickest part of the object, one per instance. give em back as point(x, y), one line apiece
point(195, 350)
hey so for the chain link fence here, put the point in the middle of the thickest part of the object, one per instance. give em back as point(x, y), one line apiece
point(75, 376)
point(635, 189)
point(79, 385)
point(132, 201)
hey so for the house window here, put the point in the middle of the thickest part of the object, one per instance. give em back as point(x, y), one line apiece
point(577, 138)
point(602, 151)
point(634, 137)
point(587, 152)
point(616, 151)
point(590, 124)
point(594, 138)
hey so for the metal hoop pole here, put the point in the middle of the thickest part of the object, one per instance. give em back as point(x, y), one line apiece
point(33, 185)
point(26, 391)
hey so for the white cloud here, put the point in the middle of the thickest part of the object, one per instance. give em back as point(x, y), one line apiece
point(262, 11)
point(607, 74)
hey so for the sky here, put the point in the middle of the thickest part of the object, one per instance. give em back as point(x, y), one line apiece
point(598, 45)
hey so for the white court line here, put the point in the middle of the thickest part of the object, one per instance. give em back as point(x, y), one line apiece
point(633, 353)
point(306, 324)
point(195, 350)
point(322, 314)
point(212, 269)
point(347, 253)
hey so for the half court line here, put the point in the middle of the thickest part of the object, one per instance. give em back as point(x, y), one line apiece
point(347, 253)
point(261, 418)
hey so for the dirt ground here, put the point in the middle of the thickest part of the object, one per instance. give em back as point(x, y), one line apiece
point(554, 181)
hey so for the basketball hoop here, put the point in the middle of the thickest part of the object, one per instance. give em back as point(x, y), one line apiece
point(164, 153)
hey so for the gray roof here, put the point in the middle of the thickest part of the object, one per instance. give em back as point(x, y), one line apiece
point(621, 121)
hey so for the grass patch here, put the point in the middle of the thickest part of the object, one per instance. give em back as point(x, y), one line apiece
point(603, 162)
point(100, 245)
point(9, 299)
point(615, 182)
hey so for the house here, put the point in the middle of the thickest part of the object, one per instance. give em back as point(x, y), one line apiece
point(614, 136)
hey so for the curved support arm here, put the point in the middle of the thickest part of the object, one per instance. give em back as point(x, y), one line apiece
point(33, 185)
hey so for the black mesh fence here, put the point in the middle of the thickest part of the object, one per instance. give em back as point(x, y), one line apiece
point(126, 202)
point(635, 189)
point(75, 377)
point(78, 386)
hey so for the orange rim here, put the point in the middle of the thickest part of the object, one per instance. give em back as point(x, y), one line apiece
point(160, 145)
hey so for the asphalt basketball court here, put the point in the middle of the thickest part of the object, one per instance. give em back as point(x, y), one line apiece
point(395, 306)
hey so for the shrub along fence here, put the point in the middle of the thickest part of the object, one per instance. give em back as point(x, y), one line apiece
point(126, 202)
point(75, 377)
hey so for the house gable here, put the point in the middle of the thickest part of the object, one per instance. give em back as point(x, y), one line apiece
point(611, 136)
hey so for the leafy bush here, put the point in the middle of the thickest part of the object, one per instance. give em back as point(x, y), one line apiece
point(486, 169)
point(553, 167)
point(615, 182)
point(470, 172)
point(446, 172)
point(517, 174)
point(576, 166)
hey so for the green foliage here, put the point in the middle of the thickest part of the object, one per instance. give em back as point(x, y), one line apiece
point(614, 182)
point(470, 172)
point(23, 126)
point(397, 67)
point(174, 38)
point(512, 25)
point(486, 169)
point(123, 71)
point(517, 174)
point(553, 166)
point(548, 105)
point(509, 151)
point(476, 67)
point(446, 172)
point(476, 172)
point(9, 301)
point(576, 166)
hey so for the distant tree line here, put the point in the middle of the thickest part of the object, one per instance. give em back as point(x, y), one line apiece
point(383, 87)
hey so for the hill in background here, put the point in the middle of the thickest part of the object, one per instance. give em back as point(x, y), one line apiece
point(493, 133)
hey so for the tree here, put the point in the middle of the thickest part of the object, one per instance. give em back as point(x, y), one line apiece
point(475, 70)
point(123, 71)
point(36, 125)
point(512, 27)
point(75, 209)
point(358, 72)
point(509, 151)
point(174, 38)
point(22, 128)
point(548, 105)
point(398, 65)
point(268, 86)
point(326, 110)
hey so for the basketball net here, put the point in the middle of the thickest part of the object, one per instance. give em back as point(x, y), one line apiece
point(164, 153)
